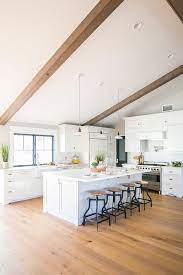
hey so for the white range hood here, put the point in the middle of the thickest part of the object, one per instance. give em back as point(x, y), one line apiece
point(155, 135)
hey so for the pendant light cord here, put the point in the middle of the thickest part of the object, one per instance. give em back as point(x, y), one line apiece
point(79, 103)
point(118, 104)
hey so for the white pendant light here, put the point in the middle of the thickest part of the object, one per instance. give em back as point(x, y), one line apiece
point(101, 135)
point(118, 136)
point(79, 132)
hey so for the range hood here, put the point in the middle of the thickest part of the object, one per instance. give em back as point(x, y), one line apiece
point(154, 135)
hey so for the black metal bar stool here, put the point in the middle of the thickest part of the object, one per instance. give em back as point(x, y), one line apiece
point(131, 201)
point(99, 216)
point(142, 186)
point(115, 210)
point(121, 203)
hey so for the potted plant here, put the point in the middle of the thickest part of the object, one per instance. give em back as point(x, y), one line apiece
point(5, 155)
point(94, 165)
point(100, 160)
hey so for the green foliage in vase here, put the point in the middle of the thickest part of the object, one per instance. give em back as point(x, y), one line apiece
point(94, 164)
point(100, 157)
point(5, 152)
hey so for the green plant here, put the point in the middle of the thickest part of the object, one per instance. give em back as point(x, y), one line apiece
point(176, 163)
point(99, 157)
point(94, 164)
point(5, 152)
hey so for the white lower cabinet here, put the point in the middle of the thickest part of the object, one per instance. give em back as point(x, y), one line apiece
point(172, 181)
point(19, 185)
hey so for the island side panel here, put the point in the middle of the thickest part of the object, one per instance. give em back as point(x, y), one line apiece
point(60, 197)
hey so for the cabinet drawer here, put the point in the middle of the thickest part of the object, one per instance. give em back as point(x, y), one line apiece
point(171, 179)
point(170, 190)
point(172, 170)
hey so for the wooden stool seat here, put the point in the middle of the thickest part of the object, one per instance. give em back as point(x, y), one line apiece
point(142, 182)
point(113, 189)
point(128, 185)
point(97, 192)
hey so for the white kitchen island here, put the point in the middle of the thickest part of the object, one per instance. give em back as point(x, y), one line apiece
point(65, 192)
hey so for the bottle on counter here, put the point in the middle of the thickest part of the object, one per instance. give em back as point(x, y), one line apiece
point(75, 159)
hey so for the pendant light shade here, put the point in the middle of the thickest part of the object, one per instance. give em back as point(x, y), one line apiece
point(79, 132)
point(118, 136)
point(101, 135)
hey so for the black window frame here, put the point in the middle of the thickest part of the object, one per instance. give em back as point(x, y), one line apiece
point(34, 152)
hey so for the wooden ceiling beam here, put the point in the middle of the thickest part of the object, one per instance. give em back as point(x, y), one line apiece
point(144, 91)
point(177, 6)
point(91, 22)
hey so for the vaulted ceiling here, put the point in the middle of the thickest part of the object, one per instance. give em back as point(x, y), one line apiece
point(114, 56)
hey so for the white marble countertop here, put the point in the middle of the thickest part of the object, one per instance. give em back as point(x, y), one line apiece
point(84, 175)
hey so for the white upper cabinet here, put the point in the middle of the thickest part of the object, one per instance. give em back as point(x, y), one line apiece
point(70, 142)
point(167, 127)
point(175, 137)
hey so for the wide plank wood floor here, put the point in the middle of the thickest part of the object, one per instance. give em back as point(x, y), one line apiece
point(32, 243)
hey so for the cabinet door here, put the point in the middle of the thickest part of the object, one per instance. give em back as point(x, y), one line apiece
point(132, 143)
point(175, 137)
point(53, 195)
point(35, 188)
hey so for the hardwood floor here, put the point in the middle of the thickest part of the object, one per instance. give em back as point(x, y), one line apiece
point(33, 243)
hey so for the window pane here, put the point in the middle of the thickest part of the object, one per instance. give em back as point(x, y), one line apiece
point(47, 143)
point(28, 143)
point(39, 143)
point(18, 142)
point(44, 157)
point(25, 149)
point(23, 158)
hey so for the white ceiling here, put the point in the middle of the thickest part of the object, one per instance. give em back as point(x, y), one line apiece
point(170, 93)
point(115, 54)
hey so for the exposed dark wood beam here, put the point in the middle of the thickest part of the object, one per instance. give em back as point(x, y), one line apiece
point(91, 22)
point(146, 90)
point(177, 6)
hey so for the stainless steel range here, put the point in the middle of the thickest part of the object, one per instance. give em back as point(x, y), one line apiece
point(152, 174)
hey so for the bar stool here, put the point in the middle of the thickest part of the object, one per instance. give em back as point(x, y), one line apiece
point(97, 196)
point(142, 186)
point(121, 203)
point(131, 202)
point(115, 211)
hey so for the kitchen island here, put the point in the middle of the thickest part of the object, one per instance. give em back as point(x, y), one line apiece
point(65, 193)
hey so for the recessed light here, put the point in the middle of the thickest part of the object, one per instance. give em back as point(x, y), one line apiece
point(100, 83)
point(170, 56)
point(137, 26)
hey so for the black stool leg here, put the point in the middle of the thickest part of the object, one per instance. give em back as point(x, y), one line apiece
point(113, 205)
point(149, 197)
point(97, 211)
point(84, 217)
point(134, 198)
point(120, 203)
point(104, 209)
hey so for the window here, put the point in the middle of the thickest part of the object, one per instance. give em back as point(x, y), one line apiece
point(32, 149)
